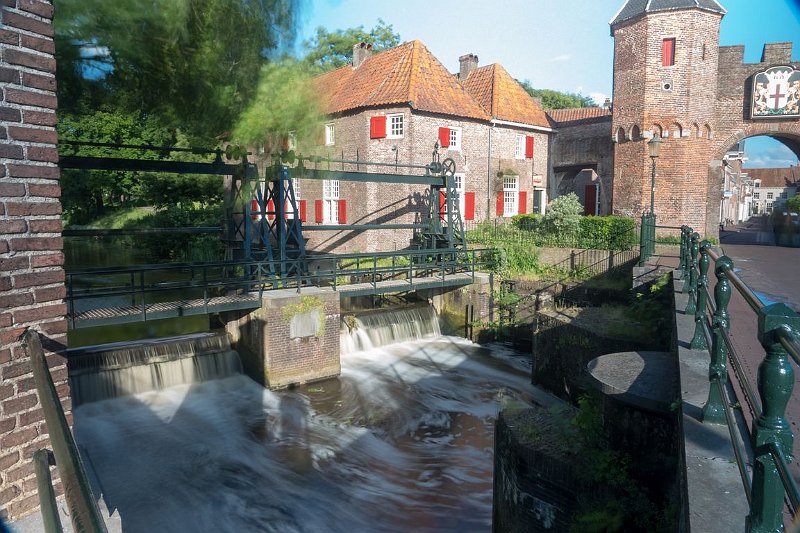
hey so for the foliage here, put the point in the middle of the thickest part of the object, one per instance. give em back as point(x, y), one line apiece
point(331, 50)
point(793, 204)
point(563, 214)
point(557, 100)
point(284, 102)
point(613, 232)
point(528, 221)
point(188, 64)
point(651, 309)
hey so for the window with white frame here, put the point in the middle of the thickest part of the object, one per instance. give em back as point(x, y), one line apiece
point(455, 139)
point(396, 125)
point(330, 200)
point(769, 207)
point(510, 195)
point(459, 182)
point(769, 196)
point(330, 134)
point(519, 148)
point(296, 189)
point(756, 195)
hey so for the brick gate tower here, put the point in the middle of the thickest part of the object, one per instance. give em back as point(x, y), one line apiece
point(665, 84)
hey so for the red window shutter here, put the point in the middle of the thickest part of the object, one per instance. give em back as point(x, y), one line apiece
point(442, 205)
point(444, 137)
point(318, 211)
point(377, 127)
point(529, 147)
point(469, 206)
point(302, 208)
point(285, 142)
point(342, 211)
point(255, 211)
point(668, 52)
point(523, 202)
point(270, 210)
point(590, 200)
point(500, 204)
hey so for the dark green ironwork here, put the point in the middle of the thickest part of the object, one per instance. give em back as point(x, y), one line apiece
point(686, 247)
point(217, 168)
point(84, 512)
point(682, 264)
point(691, 305)
point(47, 495)
point(714, 409)
point(647, 240)
point(775, 383)
point(699, 340)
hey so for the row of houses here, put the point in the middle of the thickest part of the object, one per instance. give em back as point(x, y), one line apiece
point(399, 107)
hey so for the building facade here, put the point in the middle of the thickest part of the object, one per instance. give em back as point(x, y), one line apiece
point(399, 107)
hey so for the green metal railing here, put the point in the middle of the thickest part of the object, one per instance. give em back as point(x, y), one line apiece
point(140, 286)
point(83, 510)
point(770, 437)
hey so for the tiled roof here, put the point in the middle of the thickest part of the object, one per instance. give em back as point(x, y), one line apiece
point(503, 98)
point(408, 74)
point(578, 113)
point(775, 177)
point(634, 8)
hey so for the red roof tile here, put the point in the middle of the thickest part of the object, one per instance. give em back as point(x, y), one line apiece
point(405, 75)
point(503, 98)
point(578, 113)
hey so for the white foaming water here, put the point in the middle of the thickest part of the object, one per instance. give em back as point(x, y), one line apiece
point(380, 328)
point(402, 441)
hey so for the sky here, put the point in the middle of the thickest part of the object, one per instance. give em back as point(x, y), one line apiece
point(564, 45)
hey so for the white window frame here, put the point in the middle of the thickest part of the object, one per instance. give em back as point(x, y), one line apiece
point(296, 189)
point(455, 139)
point(519, 148)
point(756, 196)
point(330, 134)
point(395, 126)
point(330, 201)
point(770, 195)
point(458, 179)
point(510, 195)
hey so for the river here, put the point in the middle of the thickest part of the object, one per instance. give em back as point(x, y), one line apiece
point(402, 441)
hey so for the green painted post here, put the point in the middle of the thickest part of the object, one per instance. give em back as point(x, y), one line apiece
point(687, 254)
point(714, 410)
point(691, 305)
point(699, 340)
point(643, 241)
point(775, 383)
point(682, 265)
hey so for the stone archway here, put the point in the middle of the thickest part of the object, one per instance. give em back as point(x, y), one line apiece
point(787, 132)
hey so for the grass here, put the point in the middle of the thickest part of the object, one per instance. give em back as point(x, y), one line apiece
point(120, 218)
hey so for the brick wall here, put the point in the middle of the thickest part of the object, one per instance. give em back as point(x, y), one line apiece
point(676, 102)
point(485, 150)
point(31, 274)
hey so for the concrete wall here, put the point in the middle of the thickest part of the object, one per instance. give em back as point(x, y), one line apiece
point(31, 259)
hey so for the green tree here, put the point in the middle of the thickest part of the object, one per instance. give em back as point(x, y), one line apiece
point(793, 204)
point(190, 64)
point(331, 50)
point(557, 100)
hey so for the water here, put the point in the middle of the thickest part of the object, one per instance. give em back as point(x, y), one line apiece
point(402, 441)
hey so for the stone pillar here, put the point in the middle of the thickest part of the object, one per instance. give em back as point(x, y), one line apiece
point(293, 338)
point(31, 259)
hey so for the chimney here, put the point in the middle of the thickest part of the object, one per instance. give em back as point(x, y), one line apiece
point(607, 103)
point(361, 51)
point(467, 63)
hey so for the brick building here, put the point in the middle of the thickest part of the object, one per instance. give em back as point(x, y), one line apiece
point(31, 274)
point(673, 80)
point(394, 107)
point(772, 187)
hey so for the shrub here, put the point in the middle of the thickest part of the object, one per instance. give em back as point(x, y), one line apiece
point(528, 221)
point(563, 215)
point(609, 232)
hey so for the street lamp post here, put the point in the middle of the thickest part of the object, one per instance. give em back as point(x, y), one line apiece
point(653, 144)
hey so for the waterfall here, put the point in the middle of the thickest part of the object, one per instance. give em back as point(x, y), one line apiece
point(121, 369)
point(373, 329)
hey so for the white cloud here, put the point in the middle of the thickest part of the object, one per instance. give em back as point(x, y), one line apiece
point(560, 58)
point(772, 156)
point(598, 98)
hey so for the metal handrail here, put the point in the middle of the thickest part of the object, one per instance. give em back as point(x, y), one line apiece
point(83, 508)
point(770, 437)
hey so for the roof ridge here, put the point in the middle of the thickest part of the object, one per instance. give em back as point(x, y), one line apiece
point(412, 78)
